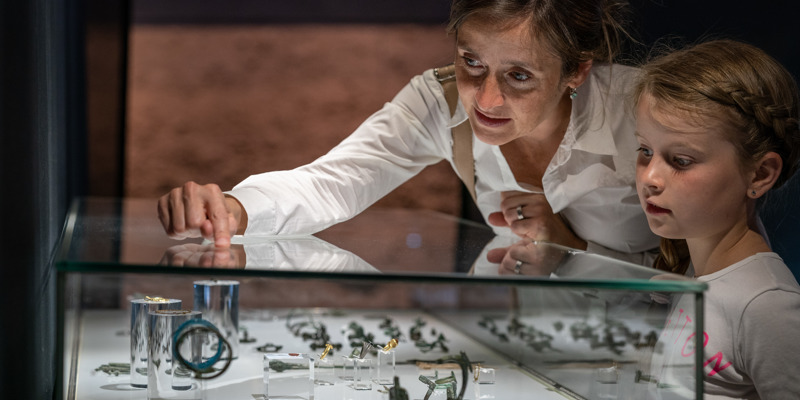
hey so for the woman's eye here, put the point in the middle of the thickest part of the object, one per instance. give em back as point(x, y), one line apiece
point(520, 76)
point(470, 62)
point(645, 151)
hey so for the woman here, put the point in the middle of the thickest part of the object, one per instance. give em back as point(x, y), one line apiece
point(554, 155)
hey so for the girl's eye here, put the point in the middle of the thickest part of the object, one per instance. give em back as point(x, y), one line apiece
point(681, 162)
point(645, 151)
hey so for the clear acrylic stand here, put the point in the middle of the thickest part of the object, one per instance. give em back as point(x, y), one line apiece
point(288, 375)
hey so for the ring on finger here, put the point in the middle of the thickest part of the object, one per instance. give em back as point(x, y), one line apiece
point(519, 213)
point(517, 267)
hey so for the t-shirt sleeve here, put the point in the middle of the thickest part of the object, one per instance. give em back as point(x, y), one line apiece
point(769, 342)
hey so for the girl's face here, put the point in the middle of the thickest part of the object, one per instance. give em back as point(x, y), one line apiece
point(509, 83)
point(688, 175)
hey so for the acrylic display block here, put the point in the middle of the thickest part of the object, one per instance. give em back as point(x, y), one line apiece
point(325, 371)
point(362, 373)
point(483, 375)
point(288, 376)
point(348, 369)
point(385, 371)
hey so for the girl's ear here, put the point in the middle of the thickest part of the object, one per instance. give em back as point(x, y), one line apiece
point(767, 170)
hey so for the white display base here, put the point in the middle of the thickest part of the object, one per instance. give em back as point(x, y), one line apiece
point(104, 340)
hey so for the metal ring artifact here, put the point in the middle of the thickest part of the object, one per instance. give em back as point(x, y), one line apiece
point(200, 325)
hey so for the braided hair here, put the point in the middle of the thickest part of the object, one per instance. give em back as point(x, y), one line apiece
point(739, 85)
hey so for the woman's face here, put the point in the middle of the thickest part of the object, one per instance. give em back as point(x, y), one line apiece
point(510, 84)
point(688, 175)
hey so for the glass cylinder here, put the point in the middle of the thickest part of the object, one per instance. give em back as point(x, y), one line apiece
point(166, 378)
point(140, 333)
point(218, 301)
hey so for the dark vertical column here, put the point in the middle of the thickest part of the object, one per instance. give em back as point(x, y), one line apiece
point(107, 26)
point(106, 40)
point(41, 168)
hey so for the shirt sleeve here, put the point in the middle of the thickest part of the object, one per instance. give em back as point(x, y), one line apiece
point(769, 342)
point(390, 147)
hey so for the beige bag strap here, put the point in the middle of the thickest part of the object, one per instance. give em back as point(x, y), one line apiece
point(462, 133)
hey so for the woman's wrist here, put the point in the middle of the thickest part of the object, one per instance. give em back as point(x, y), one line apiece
point(238, 212)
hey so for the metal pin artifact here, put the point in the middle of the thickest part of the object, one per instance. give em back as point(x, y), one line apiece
point(328, 348)
point(392, 344)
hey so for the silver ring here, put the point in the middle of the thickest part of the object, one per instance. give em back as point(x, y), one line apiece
point(517, 267)
point(519, 213)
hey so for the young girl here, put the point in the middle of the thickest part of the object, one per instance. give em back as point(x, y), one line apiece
point(717, 126)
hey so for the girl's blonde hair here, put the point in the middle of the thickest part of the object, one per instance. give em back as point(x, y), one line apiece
point(739, 85)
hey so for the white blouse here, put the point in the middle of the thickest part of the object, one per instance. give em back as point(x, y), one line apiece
point(590, 180)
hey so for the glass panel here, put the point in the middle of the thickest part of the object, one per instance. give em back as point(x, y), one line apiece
point(579, 326)
point(125, 235)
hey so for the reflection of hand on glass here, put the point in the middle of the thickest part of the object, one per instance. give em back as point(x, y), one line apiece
point(527, 257)
point(304, 253)
point(204, 255)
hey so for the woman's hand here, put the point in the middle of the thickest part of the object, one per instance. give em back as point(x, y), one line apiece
point(194, 210)
point(529, 215)
point(526, 257)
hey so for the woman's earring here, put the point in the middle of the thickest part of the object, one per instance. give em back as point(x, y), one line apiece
point(753, 192)
point(573, 93)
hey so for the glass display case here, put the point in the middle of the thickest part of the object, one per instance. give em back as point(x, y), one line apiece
point(392, 303)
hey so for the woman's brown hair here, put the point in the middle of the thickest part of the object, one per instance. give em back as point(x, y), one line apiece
point(576, 30)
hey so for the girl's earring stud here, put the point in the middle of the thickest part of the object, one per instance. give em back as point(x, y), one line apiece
point(573, 93)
